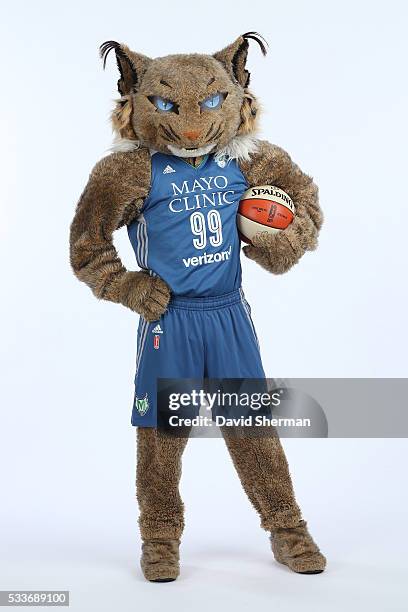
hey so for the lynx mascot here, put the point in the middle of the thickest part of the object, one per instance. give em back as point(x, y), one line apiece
point(185, 153)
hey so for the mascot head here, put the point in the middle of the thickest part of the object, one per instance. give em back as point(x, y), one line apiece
point(186, 105)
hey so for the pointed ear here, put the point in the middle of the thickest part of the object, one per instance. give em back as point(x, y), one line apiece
point(234, 57)
point(131, 65)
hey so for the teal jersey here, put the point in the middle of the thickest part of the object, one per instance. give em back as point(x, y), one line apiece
point(186, 232)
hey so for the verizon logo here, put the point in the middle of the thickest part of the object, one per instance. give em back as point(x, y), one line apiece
point(207, 258)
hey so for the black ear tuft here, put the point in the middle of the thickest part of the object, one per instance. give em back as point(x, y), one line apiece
point(106, 48)
point(128, 75)
point(259, 39)
point(234, 57)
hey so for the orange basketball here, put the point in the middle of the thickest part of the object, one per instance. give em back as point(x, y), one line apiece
point(265, 208)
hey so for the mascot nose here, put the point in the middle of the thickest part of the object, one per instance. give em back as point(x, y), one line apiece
point(192, 134)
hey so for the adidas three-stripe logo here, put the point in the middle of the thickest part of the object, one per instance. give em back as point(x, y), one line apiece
point(157, 329)
point(168, 169)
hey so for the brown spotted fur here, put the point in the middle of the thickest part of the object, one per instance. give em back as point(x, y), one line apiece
point(113, 197)
point(120, 182)
point(115, 191)
point(259, 460)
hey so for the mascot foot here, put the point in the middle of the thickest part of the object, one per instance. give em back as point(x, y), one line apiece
point(160, 560)
point(295, 548)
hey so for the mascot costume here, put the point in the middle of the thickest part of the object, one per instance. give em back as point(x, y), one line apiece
point(184, 154)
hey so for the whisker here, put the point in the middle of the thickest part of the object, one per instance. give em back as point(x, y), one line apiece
point(210, 130)
point(168, 134)
point(167, 139)
point(174, 133)
point(217, 132)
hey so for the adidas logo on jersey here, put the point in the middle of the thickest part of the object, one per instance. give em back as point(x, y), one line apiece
point(168, 169)
point(157, 330)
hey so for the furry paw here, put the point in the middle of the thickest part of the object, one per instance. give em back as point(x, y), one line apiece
point(295, 548)
point(160, 561)
point(277, 253)
point(147, 295)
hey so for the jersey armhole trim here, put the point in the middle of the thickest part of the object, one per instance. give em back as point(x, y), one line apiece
point(242, 174)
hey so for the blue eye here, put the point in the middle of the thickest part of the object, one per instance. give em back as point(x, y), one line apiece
point(213, 101)
point(162, 104)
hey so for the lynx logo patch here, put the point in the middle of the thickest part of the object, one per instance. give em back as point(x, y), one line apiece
point(221, 161)
point(142, 405)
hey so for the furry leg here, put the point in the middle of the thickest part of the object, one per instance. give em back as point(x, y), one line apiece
point(161, 518)
point(157, 484)
point(264, 473)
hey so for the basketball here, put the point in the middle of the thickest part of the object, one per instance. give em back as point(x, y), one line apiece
point(264, 209)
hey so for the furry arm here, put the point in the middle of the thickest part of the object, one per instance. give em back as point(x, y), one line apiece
point(277, 253)
point(113, 197)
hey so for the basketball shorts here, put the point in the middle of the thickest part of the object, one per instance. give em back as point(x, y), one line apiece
point(196, 338)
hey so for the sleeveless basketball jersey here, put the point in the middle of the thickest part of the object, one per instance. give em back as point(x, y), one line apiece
point(186, 232)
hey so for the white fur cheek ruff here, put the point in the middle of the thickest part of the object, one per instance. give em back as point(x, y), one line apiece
point(121, 145)
point(239, 148)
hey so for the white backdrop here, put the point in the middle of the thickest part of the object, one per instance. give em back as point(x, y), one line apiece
point(335, 96)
